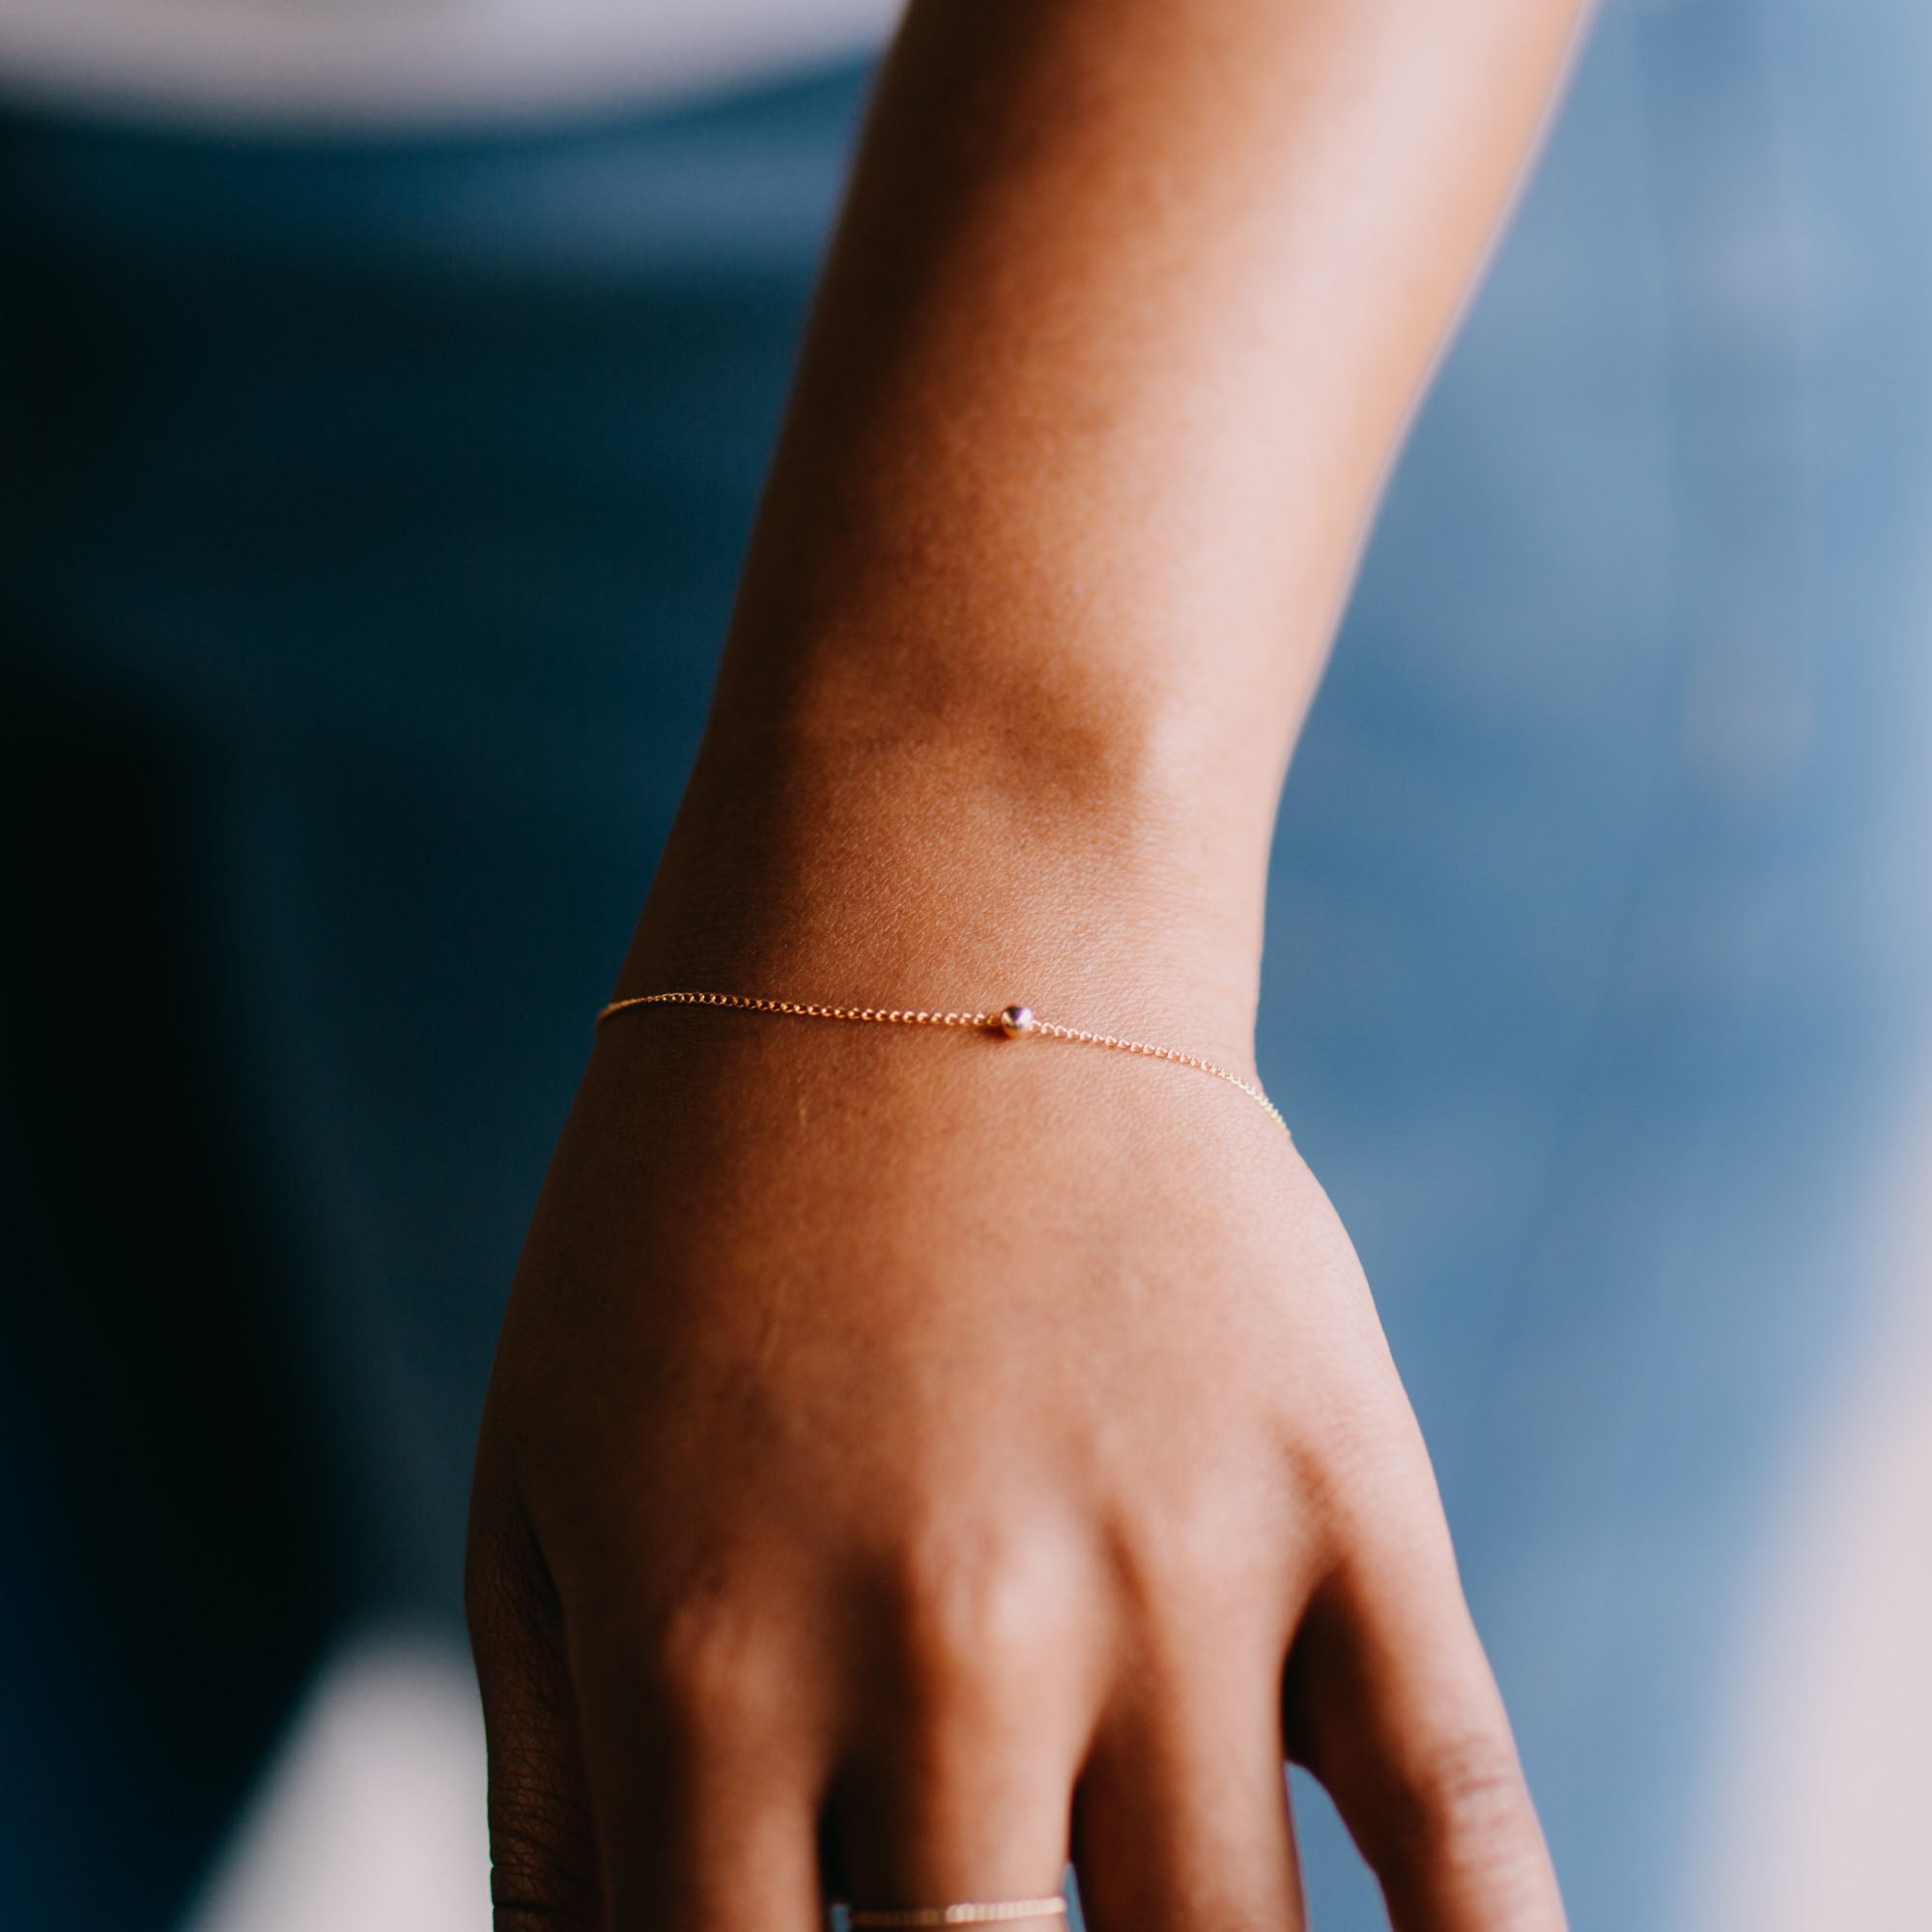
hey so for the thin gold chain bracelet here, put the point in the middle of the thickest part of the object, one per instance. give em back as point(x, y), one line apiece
point(1013, 1022)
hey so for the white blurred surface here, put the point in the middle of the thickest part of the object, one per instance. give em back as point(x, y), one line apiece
point(371, 1814)
point(411, 62)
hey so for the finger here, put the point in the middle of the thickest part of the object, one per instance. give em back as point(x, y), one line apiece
point(1392, 1706)
point(544, 1873)
point(1183, 1817)
point(960, 1787)
point(707, 1782)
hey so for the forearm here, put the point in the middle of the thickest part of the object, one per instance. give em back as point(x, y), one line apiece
point(1129, 306)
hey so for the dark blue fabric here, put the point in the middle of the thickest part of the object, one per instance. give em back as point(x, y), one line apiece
point(368, 521)
point(368, 518)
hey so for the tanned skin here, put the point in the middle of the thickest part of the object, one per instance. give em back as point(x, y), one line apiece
point(913, 1457)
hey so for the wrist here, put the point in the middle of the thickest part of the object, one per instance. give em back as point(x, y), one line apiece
point(954, 855)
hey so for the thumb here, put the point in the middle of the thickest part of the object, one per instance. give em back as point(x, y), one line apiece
point(544, 1868)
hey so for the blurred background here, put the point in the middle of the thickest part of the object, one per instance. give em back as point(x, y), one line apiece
point(384, 396)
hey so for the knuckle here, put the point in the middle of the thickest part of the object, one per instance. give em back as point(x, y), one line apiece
point(1459, 1800)
point(972, 1606)
point(1221, 1550)
point(1164, 1567)
point(709, 1665)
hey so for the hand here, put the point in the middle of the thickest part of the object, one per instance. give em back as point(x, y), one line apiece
point(913, 1459)
point(913, 1455)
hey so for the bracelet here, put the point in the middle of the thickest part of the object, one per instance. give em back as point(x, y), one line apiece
point(1015, 1022)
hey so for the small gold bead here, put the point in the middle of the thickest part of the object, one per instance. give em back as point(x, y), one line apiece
point(1016, 1022)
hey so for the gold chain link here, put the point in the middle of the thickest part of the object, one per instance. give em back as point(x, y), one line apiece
point(1003, 1022)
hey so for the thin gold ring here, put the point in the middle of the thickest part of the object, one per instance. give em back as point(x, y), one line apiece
point(996, 1912)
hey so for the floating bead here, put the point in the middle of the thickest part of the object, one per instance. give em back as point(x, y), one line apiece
point(1016, 1022)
